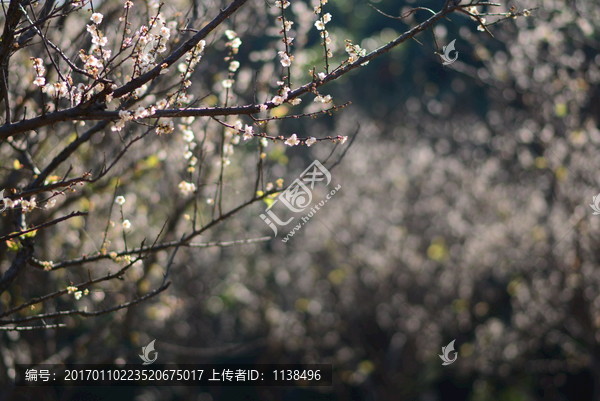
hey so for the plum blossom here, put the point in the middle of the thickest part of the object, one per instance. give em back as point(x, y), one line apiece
point(165, 127)
point(40, 71)
point(248, 132)
point(96, 18)
point(187, 188)
point(323, 99)
point(141, 112)
point(277, 100)
point(28, 205)
point(188, 135)
point(230, 34)
point(286, 59)
point(292, 140)
point(320, 23)
point(124, 116)
point(234, 65)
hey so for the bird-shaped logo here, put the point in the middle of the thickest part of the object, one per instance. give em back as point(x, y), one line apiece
point(146, 353)
point(445, 356)
point(596, 205)
point(446, 53)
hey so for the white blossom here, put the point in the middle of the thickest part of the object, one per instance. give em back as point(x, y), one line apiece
point(323, 99)
point(282, 4)
point(311, 141)
point(235, 43)
point(96, 18)
point(277, 100)
point(165, 32)
point(248, 132)
point(230, 34)
point(140, 112)
point(188, 135)
point(292, 140)
point(187, 188)
point(165, 127)
point(234, 65)
point(287, 25)
point(286, 59)
point(28, 205)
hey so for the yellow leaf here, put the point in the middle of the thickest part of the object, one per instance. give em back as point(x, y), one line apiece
point(437, 250)
point(561, 173)
point(280, 111)
point(13, 246)
point(540, 162)
point(336, 276)
point(560, 109)
point(51, 179)
point(211, 100)
point(366, 366)
point(302, 304)
point(152, 161)
point(30, 234)
point(270, 199)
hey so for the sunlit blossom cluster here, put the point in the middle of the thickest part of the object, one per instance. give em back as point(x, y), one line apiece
point(233, 45)
point(150, 42)
point(320, 24)
point(40, 71)
point(355, 52)
point(26, 205)
point(192, 58)
point(187, 188)
point(185, 127)
point(76, 292)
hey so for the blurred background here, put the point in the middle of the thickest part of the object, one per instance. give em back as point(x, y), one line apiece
point(463, 215)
